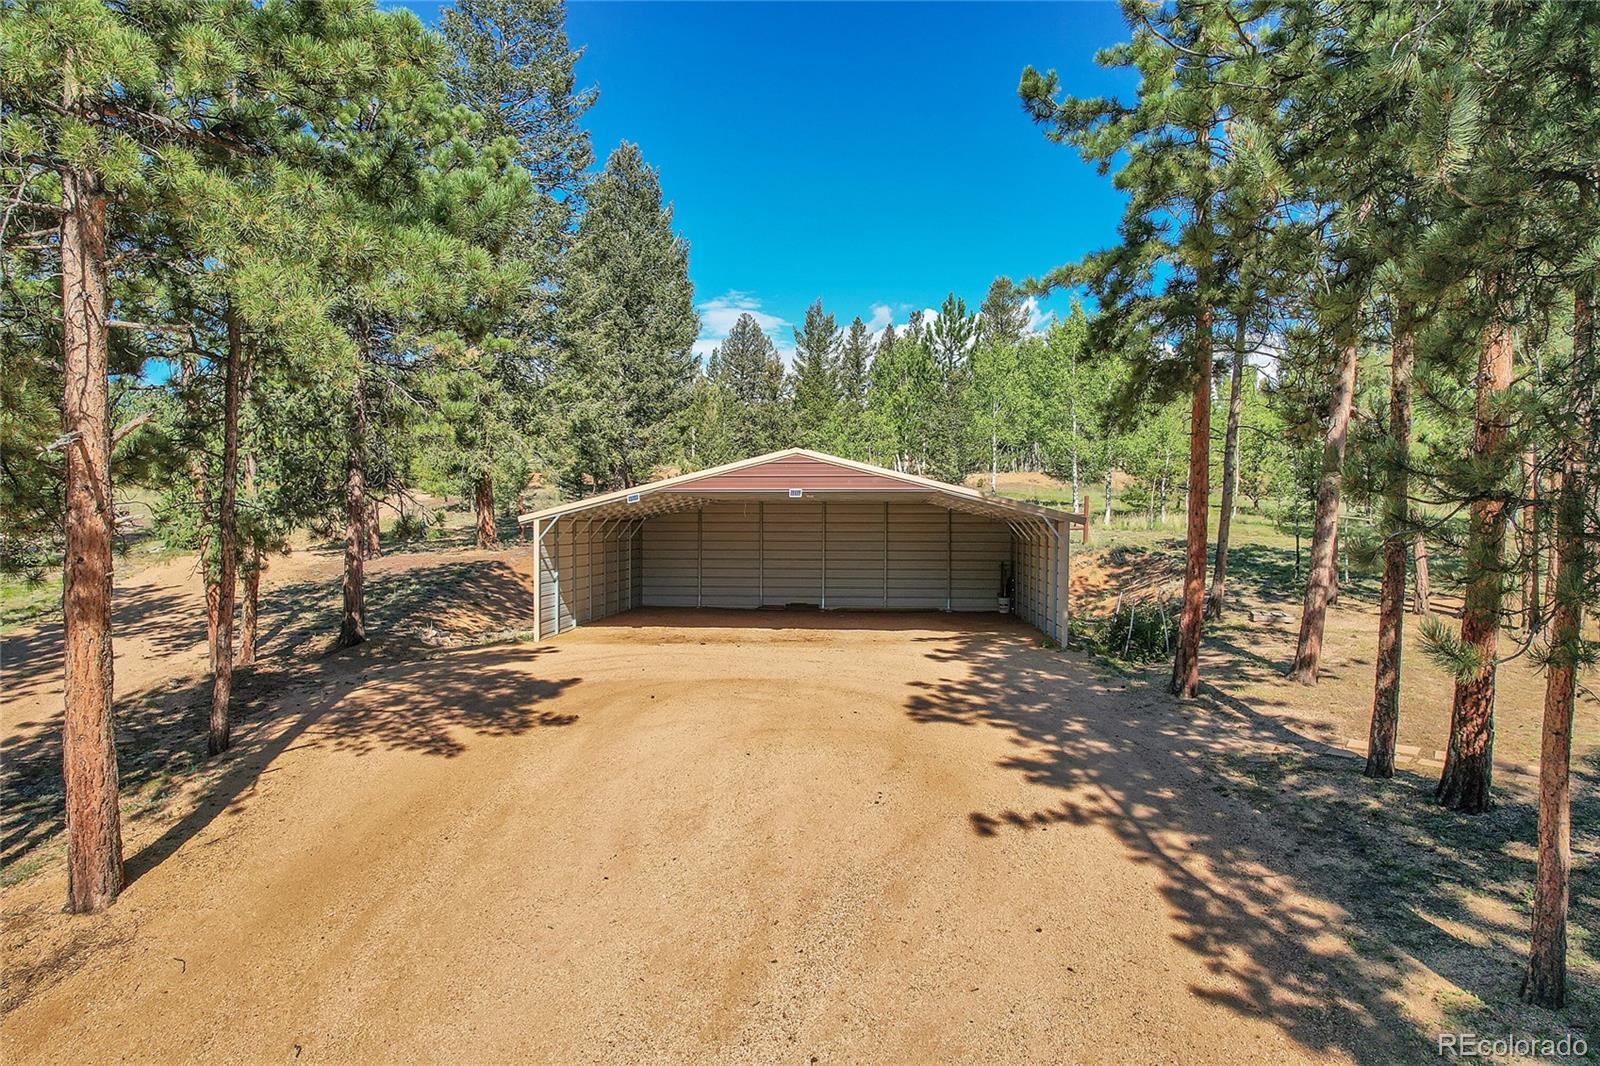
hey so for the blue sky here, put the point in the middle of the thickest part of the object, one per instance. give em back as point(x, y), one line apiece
point(873, 155)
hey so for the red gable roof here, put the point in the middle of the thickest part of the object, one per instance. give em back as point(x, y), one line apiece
point(795, 472)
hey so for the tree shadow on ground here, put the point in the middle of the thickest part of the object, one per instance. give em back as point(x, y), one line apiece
point(169, 618)
point(161, 730)
point(369, 702)
point(410, 701)
point(456, 599)
point(1311, 893)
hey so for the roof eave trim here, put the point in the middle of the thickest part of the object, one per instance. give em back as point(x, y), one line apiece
point(910, 480)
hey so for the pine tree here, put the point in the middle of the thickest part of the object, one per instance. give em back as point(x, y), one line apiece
point(1257, 261)
point(1558, 69)
point(855, 362)
point(1217, 595)
point(514, 68)
point(1003, 317)
point(1166, 143)
point(750, 373)
point(1320, 574)
point(1469, 758)
point(1337, 163)
point(950, 341)
point(1385, 725)
point(483, 367)
point(1572, 589)
point(816, 378)
point(627, 325)
point(136, 121)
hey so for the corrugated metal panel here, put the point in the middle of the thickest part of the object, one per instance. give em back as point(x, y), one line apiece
point(547, 583)
point(1037, 597)
point(731, 576)
point(737, 554)
point(671, 548)
point(791, 552)
point(856, 553)
point(1027, 579)
point(980, 547)
point(1039, 553)
point(588, 570)
point(919, 537)
point(636, 568)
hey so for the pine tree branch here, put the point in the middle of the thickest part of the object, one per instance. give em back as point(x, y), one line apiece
point(17, 201)
point(115, 117)
point(129, 426)
point(147, 327)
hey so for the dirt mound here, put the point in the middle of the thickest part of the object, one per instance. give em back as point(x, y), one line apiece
point(1103, 576)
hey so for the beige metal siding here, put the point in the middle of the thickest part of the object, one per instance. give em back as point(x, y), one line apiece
point(901, 555)
point(580, 574)
point(1037, 593)
point(857, 553)
point(980, 545)
point(671, 551)
point(919, 538)
point(636, 567)
point(547, 583)
point(731, 573)
point(791, 552)
point(1033, 578)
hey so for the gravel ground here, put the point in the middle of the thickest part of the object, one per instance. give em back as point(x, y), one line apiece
point(718, 837)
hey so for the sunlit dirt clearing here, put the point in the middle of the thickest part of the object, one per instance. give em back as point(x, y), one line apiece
point(712, 835)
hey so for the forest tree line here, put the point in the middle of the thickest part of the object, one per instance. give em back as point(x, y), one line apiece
point(1333, 180)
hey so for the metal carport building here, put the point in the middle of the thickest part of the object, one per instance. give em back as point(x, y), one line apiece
point(797, 527)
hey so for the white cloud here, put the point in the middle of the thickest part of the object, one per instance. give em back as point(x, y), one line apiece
point(718, 316)
point(1039, 319)
point(883, 317)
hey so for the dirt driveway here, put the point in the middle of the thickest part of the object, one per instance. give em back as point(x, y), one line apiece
point(714, 837)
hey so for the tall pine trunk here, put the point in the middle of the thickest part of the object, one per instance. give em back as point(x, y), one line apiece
point(220, 734)
point(1528, 544)
point(1469, 759)
point(1422, 603)
point(1216, 599)
point(1545, 982)
point(374, 531)
point(1325, 529)
point(1392, 598)
point(353, 627)
point(1186, 663)
point(253, 565)
point(483, 505)
point(88, 743)
point(250, 609)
